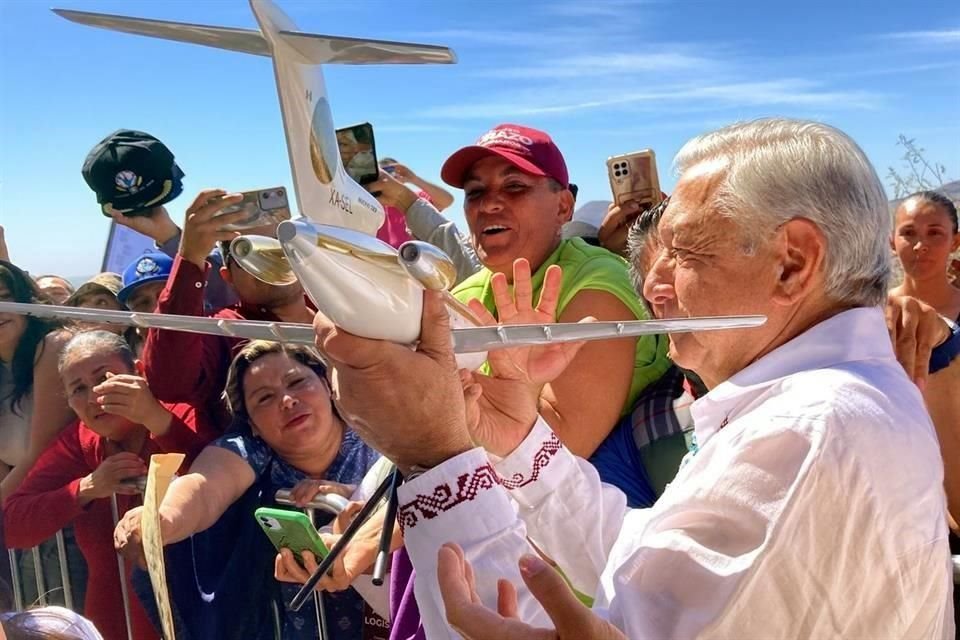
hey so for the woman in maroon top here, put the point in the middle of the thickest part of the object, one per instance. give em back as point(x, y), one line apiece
point(120, 426)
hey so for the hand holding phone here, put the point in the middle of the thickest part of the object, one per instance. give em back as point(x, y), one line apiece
point(633, 176)
point(261, 207)
point(291, 530)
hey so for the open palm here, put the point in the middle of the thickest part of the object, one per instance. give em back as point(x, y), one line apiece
point(468, 615)
point(502, 406)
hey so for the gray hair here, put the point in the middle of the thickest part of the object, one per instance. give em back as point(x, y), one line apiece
point(638, 234)
point(779, 169)
point(96, 342)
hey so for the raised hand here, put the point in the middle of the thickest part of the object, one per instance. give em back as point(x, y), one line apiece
point(129, 396)
point(474, 621)
point(203, 226)
point(615, 227)
point(391, 192)
point(403, 173)
point(915, 329)
point(157, 226)
point(502, 407)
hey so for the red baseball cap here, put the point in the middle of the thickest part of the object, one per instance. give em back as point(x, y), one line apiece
point(530, 150)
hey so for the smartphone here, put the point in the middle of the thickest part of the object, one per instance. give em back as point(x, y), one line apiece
point(291, 529)
point(262, 207)
point(633, 176)
point(358, 151)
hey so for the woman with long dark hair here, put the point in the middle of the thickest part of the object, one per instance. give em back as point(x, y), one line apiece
point(33, 409)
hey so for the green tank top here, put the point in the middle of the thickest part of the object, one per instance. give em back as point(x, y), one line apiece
point(586, 267)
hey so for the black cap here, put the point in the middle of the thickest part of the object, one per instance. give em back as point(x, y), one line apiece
point(132, 172)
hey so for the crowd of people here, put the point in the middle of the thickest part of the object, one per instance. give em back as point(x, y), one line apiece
point(799, 479)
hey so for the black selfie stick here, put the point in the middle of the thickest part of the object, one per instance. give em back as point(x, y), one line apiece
point(362, 516)
point(386, 534)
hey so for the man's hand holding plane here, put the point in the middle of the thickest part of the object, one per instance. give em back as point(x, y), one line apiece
point(495, 412)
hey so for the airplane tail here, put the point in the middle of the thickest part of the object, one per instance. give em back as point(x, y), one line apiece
point(325, 192)
point(312, 48)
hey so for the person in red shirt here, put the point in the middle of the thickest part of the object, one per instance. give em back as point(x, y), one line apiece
point(120, 426)
point(190, 367)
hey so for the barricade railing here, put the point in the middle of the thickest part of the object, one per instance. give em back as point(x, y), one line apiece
point(330, 503)
point(43, 596)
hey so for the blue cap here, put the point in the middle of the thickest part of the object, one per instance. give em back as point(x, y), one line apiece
point(150, 267)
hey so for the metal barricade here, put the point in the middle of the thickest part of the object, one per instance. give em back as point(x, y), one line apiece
point(16, 571)
point(64, 571)
point(38, 574)
point(330, 503)
point(115, 511)
point(15, 577)
point(39, 567)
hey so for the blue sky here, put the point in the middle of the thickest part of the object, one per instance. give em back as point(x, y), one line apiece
point(602, 76)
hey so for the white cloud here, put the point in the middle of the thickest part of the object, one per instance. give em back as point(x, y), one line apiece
point(593, 8)
point(784, 92)
point(594, 65)
point(416, 127)
point(946, 36)
point(500, 38)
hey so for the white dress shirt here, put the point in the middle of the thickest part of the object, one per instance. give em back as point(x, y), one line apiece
point(814, 508)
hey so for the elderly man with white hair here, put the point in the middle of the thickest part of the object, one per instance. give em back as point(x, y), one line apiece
point(814, 504)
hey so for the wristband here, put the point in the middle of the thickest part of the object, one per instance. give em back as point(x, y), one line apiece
point(944, 353)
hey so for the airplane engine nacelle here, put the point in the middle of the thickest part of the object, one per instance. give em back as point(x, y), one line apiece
point(364, 286)
point(428, 264)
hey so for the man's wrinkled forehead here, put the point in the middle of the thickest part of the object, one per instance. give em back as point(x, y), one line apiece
point(694, 193)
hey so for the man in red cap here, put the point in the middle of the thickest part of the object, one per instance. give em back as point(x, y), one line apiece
point(516, 200)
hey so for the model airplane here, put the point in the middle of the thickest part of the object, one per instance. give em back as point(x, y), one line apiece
point(363, 285)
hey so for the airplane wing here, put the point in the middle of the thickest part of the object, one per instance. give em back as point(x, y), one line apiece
point(242, 40)
point(478, 339)
point(468, 340)
point(249, 329)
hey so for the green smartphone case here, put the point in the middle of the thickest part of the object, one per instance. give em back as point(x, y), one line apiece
point(291, 529)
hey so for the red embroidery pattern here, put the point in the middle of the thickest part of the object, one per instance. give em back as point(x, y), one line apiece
point(469, 485)
point(541, 459)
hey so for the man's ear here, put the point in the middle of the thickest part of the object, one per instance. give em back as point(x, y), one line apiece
point(566, 207)
point(801, 252)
